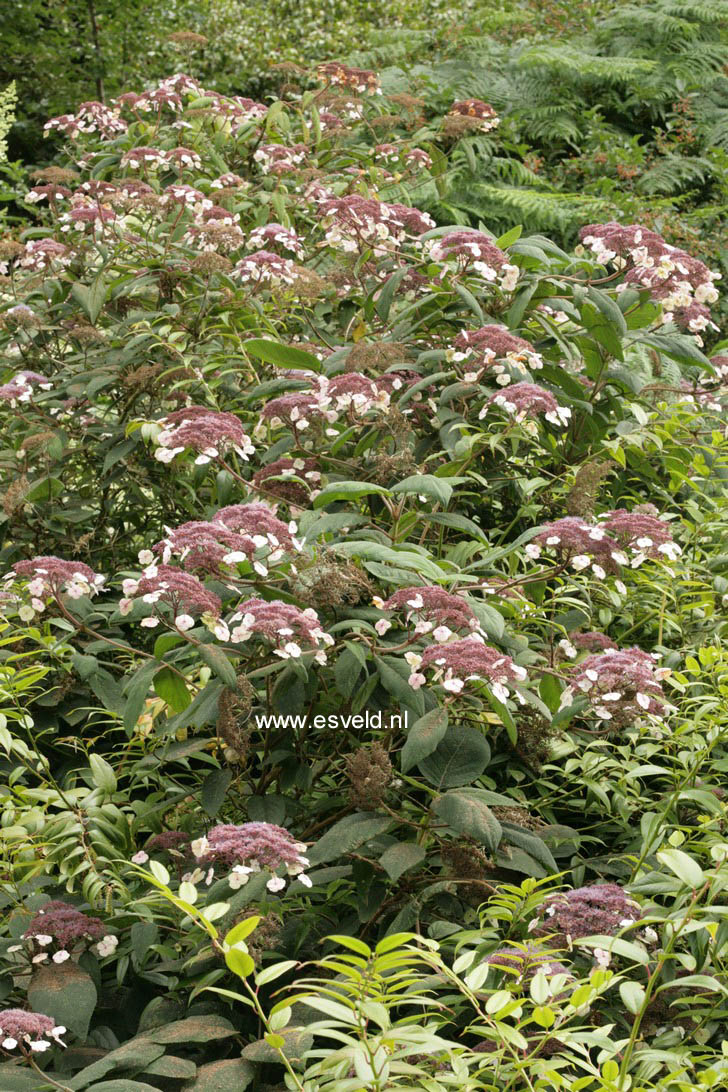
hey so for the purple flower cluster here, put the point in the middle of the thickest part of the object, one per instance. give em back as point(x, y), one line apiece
point(29, 1032)
point(522, 400)
point(205, 547)
point(438, 612)
point(351, 393)
point(474, 251)
point(581, 544)
point(284, 624)
point(59, 928)
point(252, 847)
point(260, 522)
point(204, 430)
point(462, 661)
point(599, 909)
point(621, 684)
point(236, 534)
point(618, 538)
point(181, 591)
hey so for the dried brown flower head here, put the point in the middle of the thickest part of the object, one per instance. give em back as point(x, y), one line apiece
point(233, 711)
point(57, 175)
point(370, 774)
point(376, 356)
point(330, 583)
point(582, 497)
point(187, 39)
point(13, 498)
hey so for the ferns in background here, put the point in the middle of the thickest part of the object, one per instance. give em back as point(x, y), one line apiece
point(626, 119)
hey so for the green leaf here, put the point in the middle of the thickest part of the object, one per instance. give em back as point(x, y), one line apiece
point(393, 675)
point(460, 757)
point(133, 1056)
point(136, 690)
point(194, 1029)
point(284, 356)
point(295, 1043)
point(243, 929)
point(91, 299)
point(65, 992)
point(423, 738)
point(122, 1085)
point(347, 491)
point(216, 659)
point(510, 237)
point(214, 788)
point(387, 291)
point(400, 858)
point(172, 689)
point(348, 834)
point(172, 1068)
point(684, 867)
point(429, 485)
point(466, 814)
point(470, 301)
point(239, 962)
point(102, 773)
point(228, 1075)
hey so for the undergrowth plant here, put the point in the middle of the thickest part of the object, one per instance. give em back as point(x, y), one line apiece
point(362, 589)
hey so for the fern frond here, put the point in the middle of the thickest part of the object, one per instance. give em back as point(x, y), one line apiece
point(570, 62)
point(675, 173)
